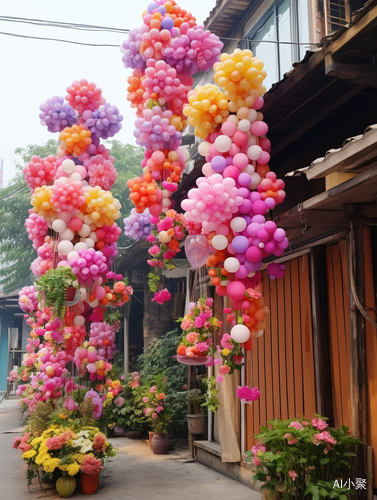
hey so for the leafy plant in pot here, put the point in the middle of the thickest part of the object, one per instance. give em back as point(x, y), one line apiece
point(197, 416)
point(53, 288)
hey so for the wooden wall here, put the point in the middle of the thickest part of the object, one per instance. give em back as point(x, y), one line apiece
point(281, 363)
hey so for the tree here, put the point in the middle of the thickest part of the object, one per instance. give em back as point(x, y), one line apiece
point(16, 251)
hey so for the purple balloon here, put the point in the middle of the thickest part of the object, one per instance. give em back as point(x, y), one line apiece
point(258, 218)
point(167, 23)
point(254, 196)
point(246, 207)
point(242, 272)
point(243, 192)
point(240, 244)
point(218, 164)
point(244, 179)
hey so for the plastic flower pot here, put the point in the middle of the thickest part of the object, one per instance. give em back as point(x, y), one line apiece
point(197, 424)
point(192, 360)
point(65, 486)
point(160, 444)
point(89, 484)
point(70, 294)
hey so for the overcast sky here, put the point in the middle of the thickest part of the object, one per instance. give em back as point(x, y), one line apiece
point(34, 70)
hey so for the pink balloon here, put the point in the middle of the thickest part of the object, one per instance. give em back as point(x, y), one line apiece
point(75, 224)
point(99, 292)
point(229, 128)
point(259, 128)
point(254, 254)
point(232, 172)
point(222, 229)
point(240, 160)
point(264, 158)
point(236, 290)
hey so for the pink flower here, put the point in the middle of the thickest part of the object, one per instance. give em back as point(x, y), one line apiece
point(165, 224)
point(186, 324)
point(192, 337)
point(169, 254)
point(292, 475)
point(159, 408)
point(146, 411)
point(290, 439)
point(296, 425)
point(258, 448)
point(319, 423)
point(151, 238)
point(155, 250)
point(209, 302)
point(202, 346)
point(217, 361)
point(244, 392)
point(324, 436)
point(119, 401)
point(304, 422)
point(256, 461)
point(219, 379)
point(145, 400)
point(224, 370)
point(153, 389)
point(224, 342)
point(154, 416)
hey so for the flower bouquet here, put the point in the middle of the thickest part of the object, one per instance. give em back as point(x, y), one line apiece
point(303, 459)
point(117, 290)
point(199, 326)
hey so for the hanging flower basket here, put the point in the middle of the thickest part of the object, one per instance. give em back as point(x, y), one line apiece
point(193, 360)
point(72, 296)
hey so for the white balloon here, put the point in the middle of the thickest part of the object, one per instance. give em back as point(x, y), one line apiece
point(93, 303)
point(166, 203)
point(65, 247)
point(255, 180)
point(219, 242)
point(84, 184)
point(260, 333)
point(185, 153)
point(223, 143)
point(254, 152)
point(233, 118)
point(238, 224)
point(67, 234)
point(240, 333)
point(249, 169)
point(83, 293)
point(84, 231)
point(79, 320)
point(231, 264)
point(203, 148)
point(164, 237)
point(75, 176)
point(80, 246)
point(251, 274)
point(87, 220)
point(59, 225)
point(252, 115)
point(72, 255)
point(224, 283)
point(68, 166)
point(244, 125)
point(93, 236)
point(89, 242)
point(60, 152)
point(166, 194)
point(207, 170)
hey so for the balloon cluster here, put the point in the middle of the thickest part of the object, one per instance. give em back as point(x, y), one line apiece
point(164, 53)
point(232, 199)
point(101, 171)
point(28, 299)
point(40, 171)
point(87, 359)
point(37, 228)
point(57, 115)
point(102, 336)
point(137, 226)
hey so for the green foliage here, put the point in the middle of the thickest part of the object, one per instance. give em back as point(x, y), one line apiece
point(153, 281)
point(303, 460)
point(52, 288)
point(212, 402)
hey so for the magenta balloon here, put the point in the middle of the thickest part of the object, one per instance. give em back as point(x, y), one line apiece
point(254, 254)
point(246, 207)
point(245, 304)
point(273, 269)
point(258, 218)
point(279, 234)
point(259, 207)
point(241, 257)
point(236, 290)
point(278, 252)
point(242, 272)
point(269, 247)
point(240, 244)
point(243, 192)
point(244, 179)
point(254, 196)
point(231, 171)
point(283, 244)
point(253, 229)
point(270, 202)
point(263, 235)
point(197, 250)
point(270, 226)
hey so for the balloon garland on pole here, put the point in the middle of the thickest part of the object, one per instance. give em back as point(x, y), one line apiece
point(164, 53)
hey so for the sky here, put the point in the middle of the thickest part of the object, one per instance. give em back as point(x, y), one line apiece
point(32, 71)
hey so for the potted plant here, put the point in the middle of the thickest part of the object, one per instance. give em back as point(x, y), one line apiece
point(54, 286)
point(197, 417)
point(303, 459)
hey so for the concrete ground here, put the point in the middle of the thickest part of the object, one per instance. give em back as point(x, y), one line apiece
point(134, 474)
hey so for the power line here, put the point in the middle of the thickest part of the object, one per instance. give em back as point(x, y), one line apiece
point(59, 24)
point(59, 40)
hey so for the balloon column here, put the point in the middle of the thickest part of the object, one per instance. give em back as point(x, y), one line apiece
point(72, 227)
point(164, 53)
point(231, 201)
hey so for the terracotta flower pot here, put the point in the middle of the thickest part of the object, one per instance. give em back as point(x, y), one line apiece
point(65, 486)
point(197, 424)
point(89, 484)
point(160, 444)
point(70, 294)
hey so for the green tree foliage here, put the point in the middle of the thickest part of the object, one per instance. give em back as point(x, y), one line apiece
point(128, 160)
point(16, 251)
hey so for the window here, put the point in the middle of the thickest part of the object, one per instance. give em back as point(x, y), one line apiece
point(285, 22)
point(339, 12)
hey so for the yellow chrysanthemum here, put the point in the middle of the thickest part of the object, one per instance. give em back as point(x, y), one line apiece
point(36, 441)
point(79, 457)
point(73, 469)
point(41, 458)
point(110, 395)
point(29, 454)
point(225, 352)
point(63, 416)
point(51, 464)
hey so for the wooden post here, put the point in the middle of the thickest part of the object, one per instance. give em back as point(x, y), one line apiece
point(359, 402)
point(321, 334)
point(191, 384)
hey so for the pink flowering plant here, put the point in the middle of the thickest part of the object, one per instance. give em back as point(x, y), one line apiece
point(302, 458)
point(199, 326)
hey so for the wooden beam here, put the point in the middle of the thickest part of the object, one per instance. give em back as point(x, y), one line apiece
point(349, 158)
point(367, 22)
point(365, 74)
point(325, 111)
point(321, 334)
